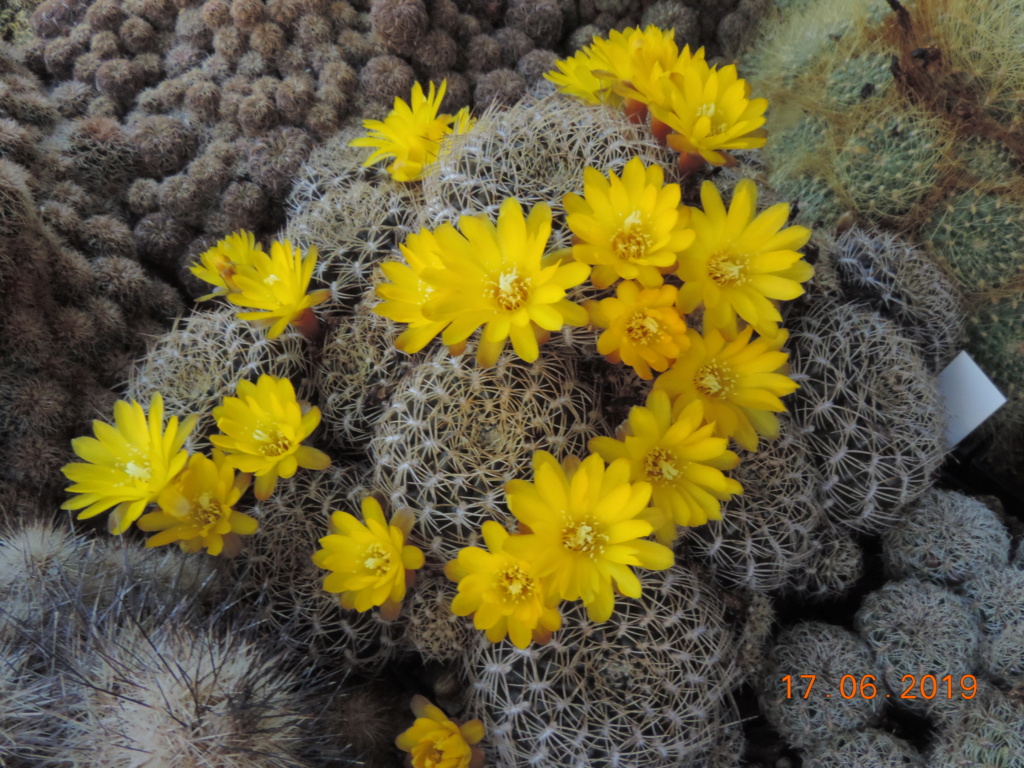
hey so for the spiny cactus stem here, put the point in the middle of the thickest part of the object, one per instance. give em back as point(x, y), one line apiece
point(308, 324)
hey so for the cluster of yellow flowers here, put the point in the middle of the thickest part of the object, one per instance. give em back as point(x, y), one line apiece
point(135, 462)
point(700, 110)
point(275, 285)
point(413, 133)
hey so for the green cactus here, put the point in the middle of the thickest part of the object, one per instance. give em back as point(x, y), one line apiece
point(995, 333)
point(858, 79)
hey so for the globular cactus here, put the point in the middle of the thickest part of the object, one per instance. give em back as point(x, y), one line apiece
point(648, 687)
point(916, 629)
point(901, 282)
point(995, 333)
point(832, 655)
point(986, 730)
point(945, 537)
point(453, 434)
point(997, 597)
point(764, 536)
point(869, 748)
point(201, 360)
point(869, 410)
point(536, 152)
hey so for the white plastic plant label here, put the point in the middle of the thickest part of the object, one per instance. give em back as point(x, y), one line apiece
point(969, 395)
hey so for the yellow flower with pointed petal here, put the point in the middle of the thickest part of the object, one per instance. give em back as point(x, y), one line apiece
point(218, 264)
point(584, 530)
point(679, 457)
point(709, 110)
point(407, 292)
point(639, 62)
point(645, 330)
point(434, 741)
point(575, 76)
point(741, 261)
point(263, 432)
point(369, 561)
point(412, 133)
point(501, 591)
point(497, 276)
point(738, 382)
point(128, 464)
point(277, 286)
point(629, 227)
point(197, 509)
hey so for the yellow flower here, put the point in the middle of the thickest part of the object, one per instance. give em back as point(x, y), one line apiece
point(736, 380)
point(370, 563)
point(412, 133)
point(501, 591)
point(276, 285)
point(739, 262)
point(498, 277)
point(128, 464)
point(263, 432)
point(434, 741)
point(629, 227)
point(709, 110)
point(407, 292)
point(218, 265)
point(584, 532)
point(678, 456)
point(645, 330)
point(196, 509)
point(575, 77)
point(638, 62)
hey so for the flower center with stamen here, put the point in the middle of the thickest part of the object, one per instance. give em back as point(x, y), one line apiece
point(271, 279)
point(708, 111)
point(377, 560)
point(514, 583)
point(713, 380)
point(510, 291)
point(583, 537)
point(660, 466)
point(631, 243)
point(138, 470)
point(206, 511)
point(271, 443)
point(642, 329)
point(727, 268)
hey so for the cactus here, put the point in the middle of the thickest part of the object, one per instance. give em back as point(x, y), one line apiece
point(764, 534)
point(870, 748)
point(979, 236)
point(648, 687)
point(902, 283)
point(946, 538)
point(870, 411)
point(834, 565)
point(453, 434)
point(986, 730)
point(831, 654)
point(202, 359)
point(997, 597)
point(915, 629)
point(995, 333)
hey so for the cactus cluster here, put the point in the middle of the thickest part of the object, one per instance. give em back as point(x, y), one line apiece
point(916, 128)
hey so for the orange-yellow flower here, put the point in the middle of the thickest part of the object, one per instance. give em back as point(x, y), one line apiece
point(585, 532)
point(644, 328)
point(631, 227)
point(737, 381)
point(369, 561)
point(741, 261)
point(434, 741)
point(128, 464)
point(197, 509)
point(263, 429)
point(502, 592)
